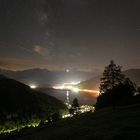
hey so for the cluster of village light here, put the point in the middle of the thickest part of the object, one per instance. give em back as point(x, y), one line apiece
point(80, 110)
point(67, 115)
point(86, 108)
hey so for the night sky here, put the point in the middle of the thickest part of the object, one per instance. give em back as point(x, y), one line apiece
point(77, 34)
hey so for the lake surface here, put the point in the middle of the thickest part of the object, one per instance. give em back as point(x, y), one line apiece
point(83, 97)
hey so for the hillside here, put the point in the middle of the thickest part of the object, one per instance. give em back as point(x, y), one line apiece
point(107, 124)
point(93, 83)
point(20, 106)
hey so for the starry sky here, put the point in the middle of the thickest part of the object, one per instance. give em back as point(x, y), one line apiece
point(77, 34)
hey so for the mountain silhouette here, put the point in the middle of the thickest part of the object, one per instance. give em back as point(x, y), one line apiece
point(19, 104)
point(47, 78)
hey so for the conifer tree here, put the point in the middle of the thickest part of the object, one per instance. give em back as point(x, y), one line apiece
point(115, 88)
point(75, 103)
point(112, 76)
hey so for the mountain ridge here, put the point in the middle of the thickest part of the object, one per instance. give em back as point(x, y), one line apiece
point(94, 83)
point(47, 78)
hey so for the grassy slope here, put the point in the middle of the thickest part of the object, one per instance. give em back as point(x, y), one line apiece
point(107, 124)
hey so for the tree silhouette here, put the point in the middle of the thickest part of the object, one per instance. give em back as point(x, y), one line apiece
point(112, 76)
point(75, 103)
point(75, 107)
point(115, 89)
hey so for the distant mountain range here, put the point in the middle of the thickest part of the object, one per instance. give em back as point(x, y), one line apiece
point(21, 106)
point(93, 83)
point(47, 78)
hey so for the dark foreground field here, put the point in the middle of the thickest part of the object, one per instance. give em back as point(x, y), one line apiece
point(120, 124)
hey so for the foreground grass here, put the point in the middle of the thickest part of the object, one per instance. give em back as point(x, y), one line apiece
point(107, 124)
